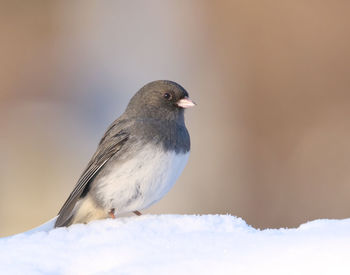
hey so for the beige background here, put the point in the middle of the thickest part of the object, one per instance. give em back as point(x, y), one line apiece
point(270, 134)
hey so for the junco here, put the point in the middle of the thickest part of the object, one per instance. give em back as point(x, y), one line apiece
point(138, 159)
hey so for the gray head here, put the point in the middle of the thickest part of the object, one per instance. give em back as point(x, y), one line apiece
point(161, 99)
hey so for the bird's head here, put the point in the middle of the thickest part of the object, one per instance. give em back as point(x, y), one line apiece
point(161, 99)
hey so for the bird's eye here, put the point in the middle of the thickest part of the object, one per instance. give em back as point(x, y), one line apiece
point(167, 96)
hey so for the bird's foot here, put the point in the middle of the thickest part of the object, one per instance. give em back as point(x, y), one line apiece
point(138, 213)
point(111, 213)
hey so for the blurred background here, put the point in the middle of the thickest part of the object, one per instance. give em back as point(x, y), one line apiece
point(270, 134)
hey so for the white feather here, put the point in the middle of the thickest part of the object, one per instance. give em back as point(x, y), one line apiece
point(141, 181)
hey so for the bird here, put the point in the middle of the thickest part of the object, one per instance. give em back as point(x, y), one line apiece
point(138, 159)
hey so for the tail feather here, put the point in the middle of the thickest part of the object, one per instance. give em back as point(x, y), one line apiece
point(84, 211)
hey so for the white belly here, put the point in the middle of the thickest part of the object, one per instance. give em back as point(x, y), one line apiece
point(138, 183)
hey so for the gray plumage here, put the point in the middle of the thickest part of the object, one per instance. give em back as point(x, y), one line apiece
point(152, 117)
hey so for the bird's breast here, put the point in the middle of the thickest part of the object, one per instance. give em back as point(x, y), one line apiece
point(140, 181)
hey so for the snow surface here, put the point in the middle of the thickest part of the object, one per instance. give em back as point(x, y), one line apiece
point(178, 244)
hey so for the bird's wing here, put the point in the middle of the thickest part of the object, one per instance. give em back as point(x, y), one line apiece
point(109, 146)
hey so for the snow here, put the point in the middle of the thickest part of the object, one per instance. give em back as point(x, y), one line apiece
point(178, 244)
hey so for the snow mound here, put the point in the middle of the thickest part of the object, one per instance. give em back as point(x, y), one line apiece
point(179, 244)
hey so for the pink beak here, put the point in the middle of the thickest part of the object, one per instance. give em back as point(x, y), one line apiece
point(185, 103)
